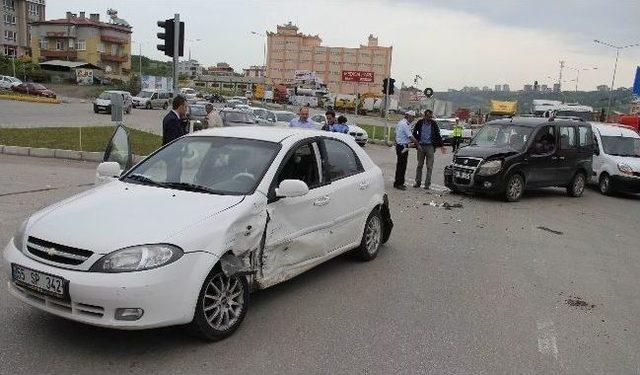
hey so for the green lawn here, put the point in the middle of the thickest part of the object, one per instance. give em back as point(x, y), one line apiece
point(94, 138)
point(378, 132)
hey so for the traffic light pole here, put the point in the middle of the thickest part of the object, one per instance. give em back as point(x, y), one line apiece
point(176, 51)
point(386, 108)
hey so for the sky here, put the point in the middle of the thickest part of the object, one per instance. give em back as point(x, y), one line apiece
point(449, 43)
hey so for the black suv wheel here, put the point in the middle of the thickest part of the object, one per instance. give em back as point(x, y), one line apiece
point(576, 186)
point(514, 188)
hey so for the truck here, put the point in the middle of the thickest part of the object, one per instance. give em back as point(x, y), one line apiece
point(548, 108)
point(280, 94)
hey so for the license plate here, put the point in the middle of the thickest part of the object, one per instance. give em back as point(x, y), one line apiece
point(54, 286)
point(464, 175)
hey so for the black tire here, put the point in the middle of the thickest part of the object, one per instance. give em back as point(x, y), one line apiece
point(165, 105)
point(371, 237)
point(148, 106)
point(237, 284)
point(604, 184)
point(514, 188)
point(577, 184)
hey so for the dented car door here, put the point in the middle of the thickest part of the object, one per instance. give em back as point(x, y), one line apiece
point(297, 236)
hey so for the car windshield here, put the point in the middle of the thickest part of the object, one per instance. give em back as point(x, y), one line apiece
point(621, 146)
point(448, 125)
point(198, 111)
point(238, 117)
point(105, 95)
point(145, 94)
point(503, 135)
point(215, 165)
point(286, 117)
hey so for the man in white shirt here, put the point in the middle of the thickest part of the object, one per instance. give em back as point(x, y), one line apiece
point(303, 119)
point(403, 138)
point(212, 120)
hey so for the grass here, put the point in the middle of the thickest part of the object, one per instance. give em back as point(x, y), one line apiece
point(378, 132)
point(94, 138)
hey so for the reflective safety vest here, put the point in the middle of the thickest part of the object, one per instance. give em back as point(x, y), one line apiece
point(457, 130)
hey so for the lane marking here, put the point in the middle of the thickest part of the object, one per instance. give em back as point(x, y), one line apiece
point(547, 342)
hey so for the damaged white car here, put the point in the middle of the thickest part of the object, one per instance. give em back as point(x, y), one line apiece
point(185, 235)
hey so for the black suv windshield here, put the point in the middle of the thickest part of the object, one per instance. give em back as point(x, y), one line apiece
point(621, 146)
point(509, 135)
point(216, 165)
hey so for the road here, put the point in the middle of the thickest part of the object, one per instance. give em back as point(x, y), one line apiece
point(474, 290)
point(75, 113)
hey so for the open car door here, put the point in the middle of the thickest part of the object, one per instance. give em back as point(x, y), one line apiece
point(117, 156)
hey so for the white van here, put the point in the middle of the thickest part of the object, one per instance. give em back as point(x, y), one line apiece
point(616, 159)
point(153, 99)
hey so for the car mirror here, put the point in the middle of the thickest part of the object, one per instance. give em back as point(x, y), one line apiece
point(291, 188)
point(107, 171)
point(596, 150)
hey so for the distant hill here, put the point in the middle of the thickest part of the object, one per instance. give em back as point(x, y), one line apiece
point(595, 99)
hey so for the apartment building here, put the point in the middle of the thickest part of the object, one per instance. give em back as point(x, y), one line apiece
point(254, 71)
point(16, 17)
point(190, 68)
point(85, 39)
point(289, 51)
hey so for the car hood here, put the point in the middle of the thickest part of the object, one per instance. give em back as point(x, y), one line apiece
point(633, 162)
point(118, 215)
point(485, 152)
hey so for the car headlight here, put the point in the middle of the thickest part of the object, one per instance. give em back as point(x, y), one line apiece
point(490, 168)
point(19, 236)
point(138, 258)
point(624, 168)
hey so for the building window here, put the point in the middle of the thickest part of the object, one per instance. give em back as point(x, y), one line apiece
point(59, 45)
point(9, 19)
point(81, 45)
point(33, 10)
point(9, 4)
point(10, 51)
point(44, 44)
point(9, 36)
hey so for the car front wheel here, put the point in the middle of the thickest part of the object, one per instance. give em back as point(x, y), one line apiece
point(515, 188)
point(221, 306)
point(576, 186)
point(604, 184)
point(371, 238)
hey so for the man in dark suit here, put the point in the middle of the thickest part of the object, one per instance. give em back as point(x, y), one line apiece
point(427, 133)
point(173, 123)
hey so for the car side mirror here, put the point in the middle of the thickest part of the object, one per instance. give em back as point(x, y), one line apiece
point(107, 171)
point(291, 188)
point(596, 150)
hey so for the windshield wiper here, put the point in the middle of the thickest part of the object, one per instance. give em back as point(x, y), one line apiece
point(191, 187)
point(145, 180)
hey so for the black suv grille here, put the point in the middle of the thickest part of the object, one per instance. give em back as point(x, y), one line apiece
point(56, 252)
point(468, 162)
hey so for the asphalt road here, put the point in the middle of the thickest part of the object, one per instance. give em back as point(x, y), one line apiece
point(474, 290)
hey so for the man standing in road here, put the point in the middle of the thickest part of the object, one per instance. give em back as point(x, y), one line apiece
point(303, 119)
point(427, 134)
point(403, 138)
point(173, 123)
point(331, 120)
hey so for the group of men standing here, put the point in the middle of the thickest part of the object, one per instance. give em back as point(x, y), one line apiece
point(333, 123)
point(425, 137)
point(176, 123)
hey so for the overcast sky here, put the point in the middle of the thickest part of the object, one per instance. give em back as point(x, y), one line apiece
point(450, 43)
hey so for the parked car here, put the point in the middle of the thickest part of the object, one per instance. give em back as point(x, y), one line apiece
point(616, 159)
point(196, 115)
point(103, 102)
point(283, 118)
point(243, 108)
point(250, 207)
point(264, 116)
point(232, 103)
point(242, 99)
point(234, 117)
point(508, 156)
point(190, 94)
point(215, 98)
point(36, 89)
point(360, 135)
point(152, 99)
point(7, 82)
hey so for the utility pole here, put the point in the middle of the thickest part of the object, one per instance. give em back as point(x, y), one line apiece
point(176, 53)
point(140, 63)
point(560, 75)
point(615, 67)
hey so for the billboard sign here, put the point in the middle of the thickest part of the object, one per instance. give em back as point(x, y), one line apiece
point(357, 76)
point(84, 76)
point(157, 83)
point(305, 75)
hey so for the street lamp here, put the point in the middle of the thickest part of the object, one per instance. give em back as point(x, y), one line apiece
point(615, 66)
point(139, 60)
point(192, 41)
point(264, 48)
point(578, 70)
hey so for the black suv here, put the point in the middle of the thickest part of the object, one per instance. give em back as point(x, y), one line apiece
point(508, 156)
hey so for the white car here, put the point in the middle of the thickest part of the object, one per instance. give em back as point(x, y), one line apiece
point(189, 94)
point(360, 135)
point(283, 118)
point(616, 159)
point(186, 234)
point(103, 102)
point(7, 82)
point(150, 99)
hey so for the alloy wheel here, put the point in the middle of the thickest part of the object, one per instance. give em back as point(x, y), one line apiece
point(578, 184)
point(223, 302)
point(373, 235)
point(515, 187)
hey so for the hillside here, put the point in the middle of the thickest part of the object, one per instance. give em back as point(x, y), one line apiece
point(480, 100)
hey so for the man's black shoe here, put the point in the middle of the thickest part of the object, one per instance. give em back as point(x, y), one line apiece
point(400, 187)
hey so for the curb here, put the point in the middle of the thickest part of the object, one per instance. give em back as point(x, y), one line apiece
point(54, 153)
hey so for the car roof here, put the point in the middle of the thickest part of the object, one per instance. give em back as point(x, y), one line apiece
point(533, 122)
point(269, 134)
point(615, 130)
point(282, 112)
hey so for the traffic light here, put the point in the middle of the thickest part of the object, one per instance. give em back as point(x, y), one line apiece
point(428, 92)
point(169, 37)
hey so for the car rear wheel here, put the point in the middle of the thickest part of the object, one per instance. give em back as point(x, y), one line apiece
point(515, 188)
point(604, 184)
point(576, 186)
point(165, 105)
point(221, 306)
point(371, 238)
point(148, 106)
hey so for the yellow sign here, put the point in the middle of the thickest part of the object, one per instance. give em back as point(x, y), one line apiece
point(258, 91)
point(504, 108)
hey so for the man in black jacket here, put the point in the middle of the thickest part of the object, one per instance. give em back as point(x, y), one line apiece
point(173, 123)
point(427, 133)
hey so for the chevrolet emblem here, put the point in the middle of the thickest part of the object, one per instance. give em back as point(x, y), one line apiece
point(51, 251)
